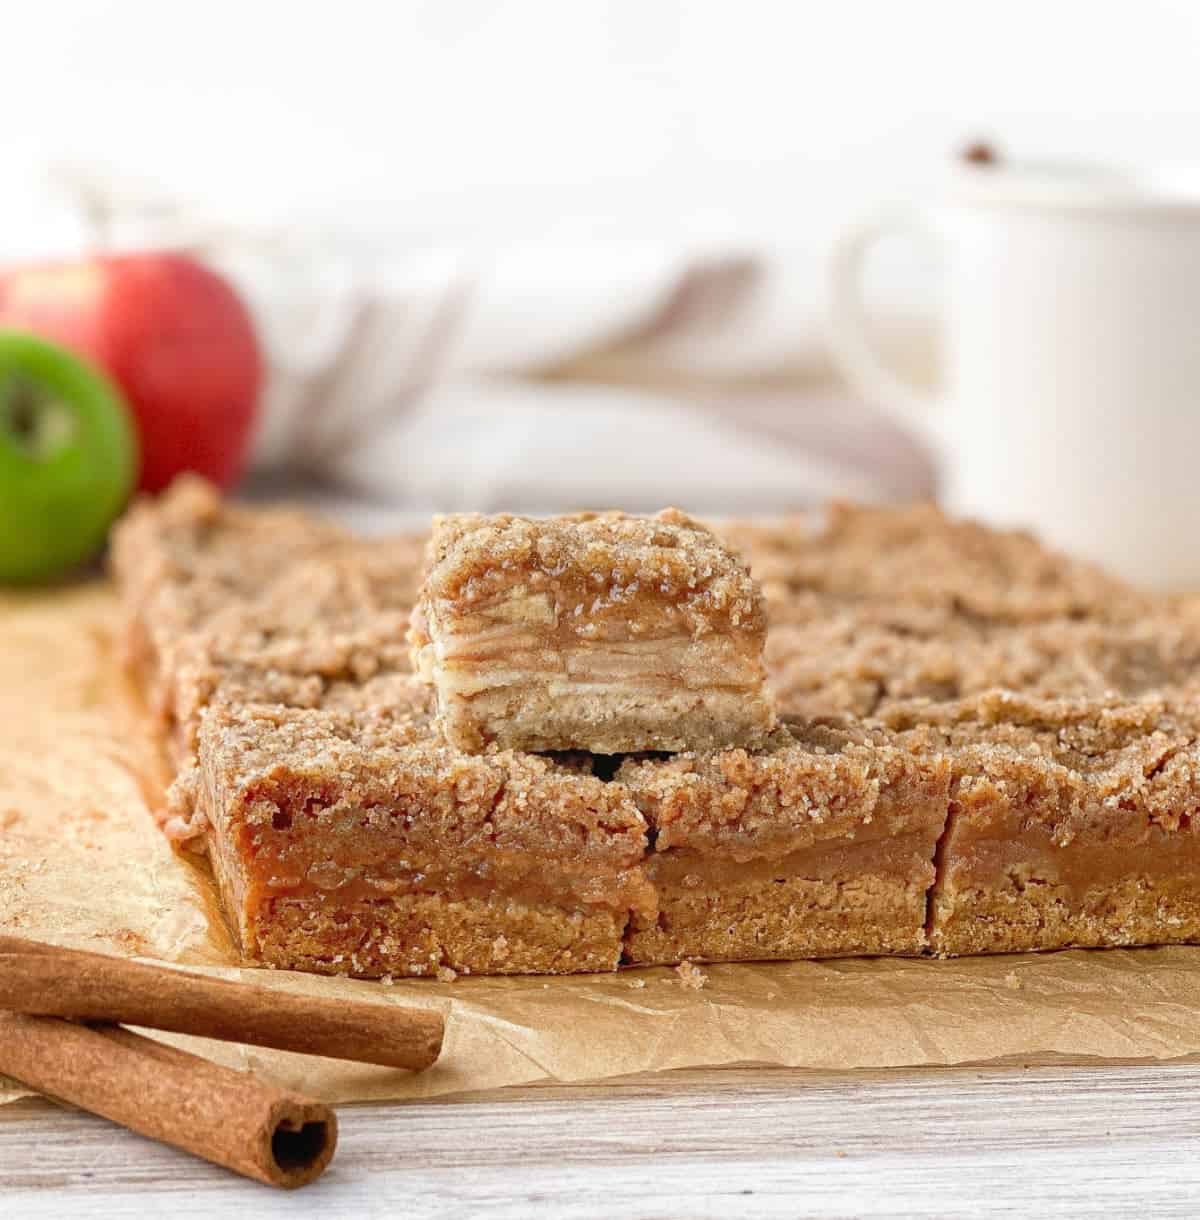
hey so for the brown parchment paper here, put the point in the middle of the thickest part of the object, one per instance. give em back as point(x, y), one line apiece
point(82, 863)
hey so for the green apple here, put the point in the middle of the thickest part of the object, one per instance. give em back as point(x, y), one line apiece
point(68, 459)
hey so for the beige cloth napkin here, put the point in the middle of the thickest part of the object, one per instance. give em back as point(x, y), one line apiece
point(537, 376)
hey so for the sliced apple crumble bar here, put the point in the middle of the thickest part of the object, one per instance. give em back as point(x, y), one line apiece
point(598, 632)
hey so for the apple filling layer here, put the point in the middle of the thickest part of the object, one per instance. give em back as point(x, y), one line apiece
point(502, 678)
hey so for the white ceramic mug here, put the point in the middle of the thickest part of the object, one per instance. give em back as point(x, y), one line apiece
point(1071, 347)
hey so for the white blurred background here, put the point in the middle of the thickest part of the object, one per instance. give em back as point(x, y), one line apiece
point(631, 136)
point(586, 118)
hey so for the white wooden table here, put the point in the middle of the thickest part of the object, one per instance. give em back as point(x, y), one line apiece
point(1120, 1139)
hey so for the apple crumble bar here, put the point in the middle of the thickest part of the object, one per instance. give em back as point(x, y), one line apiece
point(186, 556)
point(922, 570)
point(820, 846)
point(1071, 822)
point(354, 842)
point(846, 663)
point(342, 617)
point(260, 605)
point(598, 632)
point(983, 746)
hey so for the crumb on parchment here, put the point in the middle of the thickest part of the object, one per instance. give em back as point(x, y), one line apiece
point(637, 984)
point(1012, 982)
point(690, 975)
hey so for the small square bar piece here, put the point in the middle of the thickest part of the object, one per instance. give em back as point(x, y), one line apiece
point(599, 632)
point(821, 845)
point(356, 842)
point(1071, 823)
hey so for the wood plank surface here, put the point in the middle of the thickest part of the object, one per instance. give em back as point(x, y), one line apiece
point(988, 1141)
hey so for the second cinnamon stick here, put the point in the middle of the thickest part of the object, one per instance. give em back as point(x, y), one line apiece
point(232, 1118)
point(51, 981)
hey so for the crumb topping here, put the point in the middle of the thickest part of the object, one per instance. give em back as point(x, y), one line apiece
point(606, 560)
point(918, 557)
point(391, 762)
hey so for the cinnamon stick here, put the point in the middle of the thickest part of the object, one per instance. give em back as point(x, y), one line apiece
point(231, 1118)
point(48, 980)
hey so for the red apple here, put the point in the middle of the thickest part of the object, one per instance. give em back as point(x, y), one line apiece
point(174, 337)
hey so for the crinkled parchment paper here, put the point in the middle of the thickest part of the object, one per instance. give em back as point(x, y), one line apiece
point(82, 864)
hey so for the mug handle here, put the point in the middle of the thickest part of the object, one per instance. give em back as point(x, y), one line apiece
point(853, 351)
